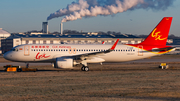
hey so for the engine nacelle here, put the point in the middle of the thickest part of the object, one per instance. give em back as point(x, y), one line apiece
point(63, 63)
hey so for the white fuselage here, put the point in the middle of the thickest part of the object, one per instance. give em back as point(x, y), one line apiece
point(49, 52)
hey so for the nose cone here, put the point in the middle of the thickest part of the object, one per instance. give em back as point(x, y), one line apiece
point(8, 56)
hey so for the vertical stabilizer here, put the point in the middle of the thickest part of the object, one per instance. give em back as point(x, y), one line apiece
point(160, 33)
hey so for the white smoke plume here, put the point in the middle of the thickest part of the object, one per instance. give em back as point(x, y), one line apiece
point(90, 8)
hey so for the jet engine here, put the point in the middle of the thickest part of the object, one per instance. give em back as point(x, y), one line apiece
point(63, 63)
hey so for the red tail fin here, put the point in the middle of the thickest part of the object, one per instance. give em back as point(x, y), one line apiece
point(160, 33)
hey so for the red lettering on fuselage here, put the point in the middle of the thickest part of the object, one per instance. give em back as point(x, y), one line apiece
point(38, 56)
point(51, 47)
point(61, 46)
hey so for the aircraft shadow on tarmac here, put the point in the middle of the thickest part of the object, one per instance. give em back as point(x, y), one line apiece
point(93, 70)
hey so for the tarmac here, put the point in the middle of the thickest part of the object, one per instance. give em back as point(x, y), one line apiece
point(139, 80)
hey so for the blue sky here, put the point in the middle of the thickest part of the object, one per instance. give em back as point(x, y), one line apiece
point(27, 15)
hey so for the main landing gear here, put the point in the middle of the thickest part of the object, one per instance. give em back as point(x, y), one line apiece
point(85, 68)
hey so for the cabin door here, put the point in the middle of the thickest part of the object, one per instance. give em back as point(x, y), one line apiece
point(26, 50)
point(140, 50)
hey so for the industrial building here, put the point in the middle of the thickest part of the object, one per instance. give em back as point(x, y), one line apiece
point(8, 42)
point(3, 35)
point(18, 39)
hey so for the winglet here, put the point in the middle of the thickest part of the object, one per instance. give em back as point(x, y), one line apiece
point(114, 46)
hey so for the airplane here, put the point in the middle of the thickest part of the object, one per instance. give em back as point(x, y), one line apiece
point(69, 55)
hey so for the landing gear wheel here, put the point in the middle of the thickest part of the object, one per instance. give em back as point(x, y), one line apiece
point(86, 68)
point(83, 68)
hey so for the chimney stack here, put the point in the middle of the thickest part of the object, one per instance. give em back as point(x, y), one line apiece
point(45, 27)
point(61, 28)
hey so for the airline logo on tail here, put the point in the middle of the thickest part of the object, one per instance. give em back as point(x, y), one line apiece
point(155, 34)
point(156, 41)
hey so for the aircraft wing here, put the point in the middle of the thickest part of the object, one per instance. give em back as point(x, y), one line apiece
point(94, 54)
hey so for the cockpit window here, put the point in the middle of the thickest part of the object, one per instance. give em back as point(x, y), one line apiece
point(15, 49)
